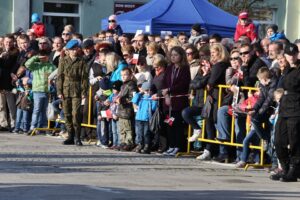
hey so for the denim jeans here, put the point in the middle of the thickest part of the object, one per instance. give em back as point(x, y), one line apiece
point(40, 104)
point(103, 131)
point(257, 121)
point(115, 132)
point(224, 128)
point(188, 115)
point(252, 138)
point(59, 111)
point(240, 132)
point(23, 120)
point(142, 132)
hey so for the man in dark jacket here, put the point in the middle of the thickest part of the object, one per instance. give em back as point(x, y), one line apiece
point(72, 87)
point(287, 137)
point(250, 66)
point(8, 61)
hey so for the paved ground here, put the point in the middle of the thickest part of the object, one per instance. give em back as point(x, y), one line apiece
point(40, 168)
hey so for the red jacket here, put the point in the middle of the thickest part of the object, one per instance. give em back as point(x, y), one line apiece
point(39, 29)
point(245, 30)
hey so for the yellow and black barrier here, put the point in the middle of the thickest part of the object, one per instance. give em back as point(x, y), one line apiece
point(232, 135)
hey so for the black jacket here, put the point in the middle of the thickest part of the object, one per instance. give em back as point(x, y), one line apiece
point(290, 101)
point(250, 71)
point(266, 96)
point(198, 84)
point(8, 65)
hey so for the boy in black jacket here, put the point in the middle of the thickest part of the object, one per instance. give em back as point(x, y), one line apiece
point(125, 109)
point(260, 113)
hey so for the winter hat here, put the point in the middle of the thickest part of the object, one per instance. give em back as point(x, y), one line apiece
point(197, 28)
point(35, 18)
point(87, 43)
point(146, 86)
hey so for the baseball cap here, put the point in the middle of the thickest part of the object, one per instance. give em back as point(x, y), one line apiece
point(243, 15)
point(87, 43)
point(291, 49)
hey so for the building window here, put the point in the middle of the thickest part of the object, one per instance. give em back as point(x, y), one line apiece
point(57, 14)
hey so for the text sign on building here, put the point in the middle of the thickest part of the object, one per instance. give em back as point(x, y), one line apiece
point(120, 8)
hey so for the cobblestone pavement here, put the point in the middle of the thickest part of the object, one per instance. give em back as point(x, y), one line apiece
point(39, 168)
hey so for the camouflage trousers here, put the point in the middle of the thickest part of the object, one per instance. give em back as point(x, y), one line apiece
point(72, 112)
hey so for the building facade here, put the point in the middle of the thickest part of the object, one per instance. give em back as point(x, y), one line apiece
point(86, 15)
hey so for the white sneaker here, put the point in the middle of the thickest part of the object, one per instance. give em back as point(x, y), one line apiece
point(166, 153)
point(205, 156)
point(174, 152)
point(195, 136)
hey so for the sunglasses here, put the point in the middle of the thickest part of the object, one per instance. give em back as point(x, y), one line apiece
point(41, 43)
point(244, 53)
point(189, 53)
point(234, 58)
point(65, 33)
point(112, 21)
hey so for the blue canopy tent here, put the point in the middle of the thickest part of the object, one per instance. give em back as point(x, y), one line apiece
point(176, 16)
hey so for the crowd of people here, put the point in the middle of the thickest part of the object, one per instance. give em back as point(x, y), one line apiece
point(137, 91)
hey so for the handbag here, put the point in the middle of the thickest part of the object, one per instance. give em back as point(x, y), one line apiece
point(51, 112)
point(206, 110)
point(156, 121)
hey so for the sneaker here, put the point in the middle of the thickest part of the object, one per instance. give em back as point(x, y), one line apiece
point(240, 164)
point(205, 156)
point(168, 151)
point(15, 131)
point(196, 135)
point(174, 152)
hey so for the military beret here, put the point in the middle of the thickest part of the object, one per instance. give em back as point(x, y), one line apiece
point(72, 44)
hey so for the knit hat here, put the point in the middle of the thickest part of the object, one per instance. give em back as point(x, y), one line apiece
point(87, 43)
point(146, 86)
point(35, 18)
point(197, 28)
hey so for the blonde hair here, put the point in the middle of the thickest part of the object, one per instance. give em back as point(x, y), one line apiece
point(69, 28)
point(223, 53)
point(160, 61)
point(112, 61)
point(153, 46)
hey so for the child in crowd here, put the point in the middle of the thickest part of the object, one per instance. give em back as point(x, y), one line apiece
point(145, 107)
point(260, 114)
point(125, 109)
point(24, 106)
point(273, 119)
point(103, 120)
point(113, 107)
point(143, 73)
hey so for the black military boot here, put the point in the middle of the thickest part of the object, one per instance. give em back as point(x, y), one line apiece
point(291, 175)
point(78, 139)
point(146, 149)
point(284, 169)
point(69, 141)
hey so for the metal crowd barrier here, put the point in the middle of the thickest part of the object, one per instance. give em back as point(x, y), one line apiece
point(232, 135)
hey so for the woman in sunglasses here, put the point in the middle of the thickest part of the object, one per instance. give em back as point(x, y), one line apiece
point(113, 25)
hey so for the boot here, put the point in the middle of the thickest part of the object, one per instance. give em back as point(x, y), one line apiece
point(146, 149)
point(69, 141)
point(138, 148)
point(78, 143)
point(291, 175)
point(78, 139)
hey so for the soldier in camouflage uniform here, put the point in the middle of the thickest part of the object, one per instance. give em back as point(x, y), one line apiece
point(72, 86)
